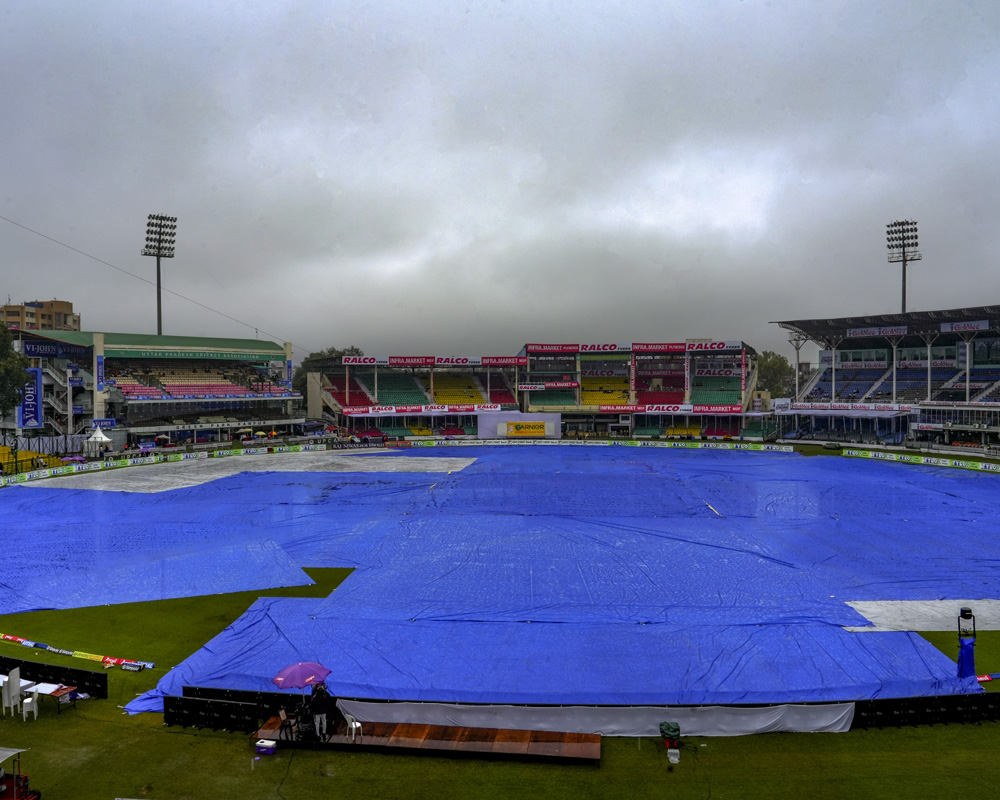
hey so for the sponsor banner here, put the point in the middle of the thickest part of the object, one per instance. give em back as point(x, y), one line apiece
point(661, 408)
point(863, 365)
point(962, 327)
point(515, 429)
point(659, 373)
point(99, 374)
point(631, 375)
point(658, 347)
point(927, 426)
point(536, 387)
point(718, 409)
point(622, 409)
point(852, 406)
point(458, 361)
point(606, 348)
point(411, 361)
point(743, 372)
point(76, 381)
point(715, 373)
point(713, 347)
point(687, 375)
point(919, 364)
point(51, 350)
point(930, 461)
point(364, 360)
point(617, 372)
point(505, 361)
point(859, 333)
point(39, 349)
point(288, 373)
point(30, 411)
point(439, 409)
point(552, 348)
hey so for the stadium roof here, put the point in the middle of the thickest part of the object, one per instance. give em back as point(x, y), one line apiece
point(153, 342)
point(916, 325)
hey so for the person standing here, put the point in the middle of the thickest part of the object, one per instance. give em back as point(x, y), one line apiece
point(319, 705)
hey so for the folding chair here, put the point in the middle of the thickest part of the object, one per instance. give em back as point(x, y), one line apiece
point(286, 731)
point(30, 706)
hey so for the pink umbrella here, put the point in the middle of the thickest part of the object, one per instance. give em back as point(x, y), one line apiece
point(301, 675)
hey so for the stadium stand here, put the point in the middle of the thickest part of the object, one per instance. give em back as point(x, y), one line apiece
point(395, 389)
point(453, 388)
point(348, 393)
point(605, 391)
point(715, 390)
point(554, 397)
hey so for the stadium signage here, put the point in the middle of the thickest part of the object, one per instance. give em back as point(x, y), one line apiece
point(552, 348)
point(531, 387)
point(411, 361)
point(961, 327)
point(623, 409)
point(720, 373)
point(862, 364)
point(438, 409)
point(856, 333)
point(218, 354)
point(605, 373)
point(505, 361)
point(30, 410)
point(668, 409)
point(718, 409)
point(604, 348)
point(713, 346)
point(364, 360)
point(457, 360)
point(662, 347)
point(102, 423)
point(660, 373)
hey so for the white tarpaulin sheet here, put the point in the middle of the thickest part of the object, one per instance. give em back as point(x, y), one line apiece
point(610, 721)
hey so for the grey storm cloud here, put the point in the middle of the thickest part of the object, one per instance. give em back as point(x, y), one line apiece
point(461, 178)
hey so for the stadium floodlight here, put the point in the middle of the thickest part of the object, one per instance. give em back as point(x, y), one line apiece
point(160, 233)
point(901, 239)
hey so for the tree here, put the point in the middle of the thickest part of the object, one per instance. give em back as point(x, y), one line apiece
point(12, 377)
point(317, 362)
point(774, 374)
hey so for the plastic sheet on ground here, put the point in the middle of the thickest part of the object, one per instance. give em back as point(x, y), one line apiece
point(564, 575)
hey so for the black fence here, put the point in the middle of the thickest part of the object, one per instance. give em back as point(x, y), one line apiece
point(219, 715)
point(93, 683)
point(267, 704)
point(939, 709)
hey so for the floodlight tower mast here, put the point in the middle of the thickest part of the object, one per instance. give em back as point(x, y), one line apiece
point(901, 239)
point(160, 233)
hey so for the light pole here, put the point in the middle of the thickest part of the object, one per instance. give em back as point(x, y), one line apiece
point(160, 232)
point(901, 239)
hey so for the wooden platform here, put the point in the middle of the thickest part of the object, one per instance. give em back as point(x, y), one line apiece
point(443, 740)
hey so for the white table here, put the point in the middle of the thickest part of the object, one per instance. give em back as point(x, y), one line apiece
point(25, 684)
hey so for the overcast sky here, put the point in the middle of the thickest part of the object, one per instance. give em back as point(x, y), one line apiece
point(428, 177)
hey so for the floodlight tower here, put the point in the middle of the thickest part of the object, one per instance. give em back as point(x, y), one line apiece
point(901, 239)
point(160, 232)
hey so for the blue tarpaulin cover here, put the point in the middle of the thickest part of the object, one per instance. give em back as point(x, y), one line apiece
point(548, 574)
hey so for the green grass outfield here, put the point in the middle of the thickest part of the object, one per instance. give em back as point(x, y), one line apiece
point(97, 752)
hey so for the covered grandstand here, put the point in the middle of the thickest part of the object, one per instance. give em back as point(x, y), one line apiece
point(140, 387)
point(688, 388)
point(925, 377)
